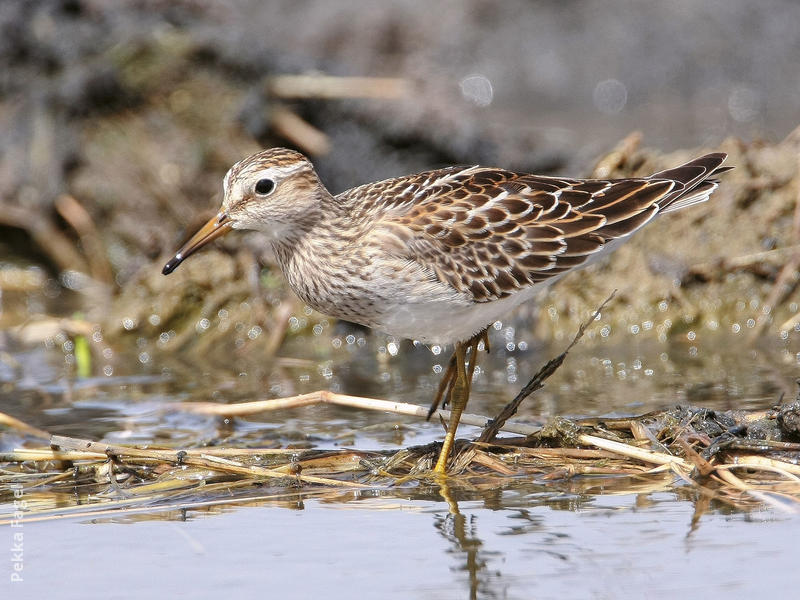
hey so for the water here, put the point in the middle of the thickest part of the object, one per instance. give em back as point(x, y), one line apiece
point(519, 543)
point(588, 537)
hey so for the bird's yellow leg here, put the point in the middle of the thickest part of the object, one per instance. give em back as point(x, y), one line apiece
point(445, 385)
point(459, 396)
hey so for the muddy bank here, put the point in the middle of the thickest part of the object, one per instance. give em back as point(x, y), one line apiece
point(119, 124)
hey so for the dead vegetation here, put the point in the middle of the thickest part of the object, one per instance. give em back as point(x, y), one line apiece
point(743, 459)
point(706, 453)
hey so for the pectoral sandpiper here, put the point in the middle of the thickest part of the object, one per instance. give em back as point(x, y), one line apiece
point(439, 256)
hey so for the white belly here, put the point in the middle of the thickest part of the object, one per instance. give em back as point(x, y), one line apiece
point(444, 322)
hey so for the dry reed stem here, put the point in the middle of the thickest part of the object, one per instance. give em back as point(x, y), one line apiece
point(14, 423)
point(787, 278)
point(118, 508)
point(755, 461)
point(288, 124)
point(203, 460)
point(643, 454)
point(537, 382)
point(327, 397)
point(81, 221)
point(57, 246)
point(330, 87)
point(759, 494)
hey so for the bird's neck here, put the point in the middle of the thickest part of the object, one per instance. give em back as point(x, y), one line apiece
point(310, 253)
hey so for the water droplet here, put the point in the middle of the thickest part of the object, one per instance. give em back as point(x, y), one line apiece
point(610, 96)
point(144, 357)
point(254, 332)
point(691, 336)
point(393, 348)
point(436, 349)
point(350, 339)
point(317, 329)
point(128, 324)
point(154, 320)
point(477, 89)
point(108, 370)
point(743, 104)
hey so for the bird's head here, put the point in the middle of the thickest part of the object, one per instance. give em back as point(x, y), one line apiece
point(275, 191)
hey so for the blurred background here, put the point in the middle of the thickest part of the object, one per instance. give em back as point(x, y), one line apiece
point(119, 120)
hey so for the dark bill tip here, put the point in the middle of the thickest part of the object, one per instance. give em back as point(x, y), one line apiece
point(216, 227)
point(171, 265)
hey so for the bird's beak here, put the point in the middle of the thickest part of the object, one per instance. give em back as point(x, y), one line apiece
point(216, 227)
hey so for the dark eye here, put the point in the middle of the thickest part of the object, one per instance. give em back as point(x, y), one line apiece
point(264, 186)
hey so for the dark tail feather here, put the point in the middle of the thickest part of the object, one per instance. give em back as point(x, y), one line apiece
point(692, 181)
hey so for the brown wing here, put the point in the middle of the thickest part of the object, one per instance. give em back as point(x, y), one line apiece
point(490, 232)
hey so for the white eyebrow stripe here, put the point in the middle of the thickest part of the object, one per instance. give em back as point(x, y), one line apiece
point(287, 170)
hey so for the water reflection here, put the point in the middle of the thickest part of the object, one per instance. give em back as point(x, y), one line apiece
point(481, 539)
point(462, 532)
point(497, 537)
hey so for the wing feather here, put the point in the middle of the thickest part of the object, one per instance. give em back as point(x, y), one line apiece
point(489, 233)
